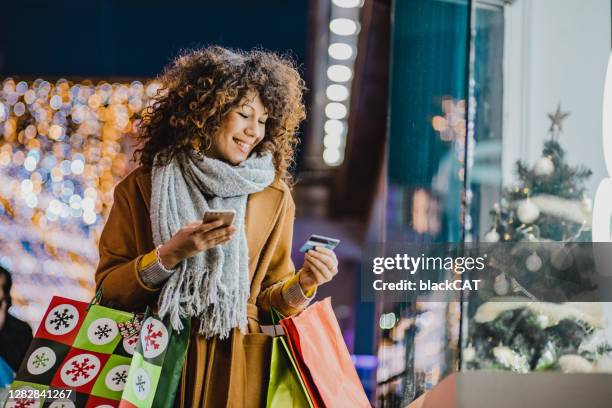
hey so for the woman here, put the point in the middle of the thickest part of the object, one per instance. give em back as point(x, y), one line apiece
point(220, 135)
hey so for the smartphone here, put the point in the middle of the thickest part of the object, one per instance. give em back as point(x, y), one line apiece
point(226, 216)
point(319, 240)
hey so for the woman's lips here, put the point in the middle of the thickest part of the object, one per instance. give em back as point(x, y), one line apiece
point(244, 147)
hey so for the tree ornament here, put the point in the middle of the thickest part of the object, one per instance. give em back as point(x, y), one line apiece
point(533, 263)
point(543, 167)
point(561, 258)
point(491, 236)
point(510, 359)
point(556, 122)
point(587, 203)
point(501, 286)
point(527, 212)
point(469, 353)
point(544, 321)
point(573, 363)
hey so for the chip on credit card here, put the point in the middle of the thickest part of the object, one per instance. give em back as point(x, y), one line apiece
point(319, 240)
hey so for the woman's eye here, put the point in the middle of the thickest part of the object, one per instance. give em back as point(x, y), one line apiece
point(262, 123)
point(243, 115)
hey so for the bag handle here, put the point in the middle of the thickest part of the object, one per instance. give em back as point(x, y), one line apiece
point(275, 318)
point(95, 300)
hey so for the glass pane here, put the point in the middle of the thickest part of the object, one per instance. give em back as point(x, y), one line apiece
point(487, 103)
point(535, 101)
point(426, 151)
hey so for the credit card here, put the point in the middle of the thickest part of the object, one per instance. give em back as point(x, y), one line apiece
point(319, 240)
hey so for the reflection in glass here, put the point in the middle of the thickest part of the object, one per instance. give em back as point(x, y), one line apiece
point(424, 185)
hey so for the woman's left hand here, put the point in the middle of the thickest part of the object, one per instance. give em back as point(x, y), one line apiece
point(320, 266)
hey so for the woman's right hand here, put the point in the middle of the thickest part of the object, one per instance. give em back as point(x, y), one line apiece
point(191, 239)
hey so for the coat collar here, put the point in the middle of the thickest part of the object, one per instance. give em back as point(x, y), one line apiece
point(263, 209)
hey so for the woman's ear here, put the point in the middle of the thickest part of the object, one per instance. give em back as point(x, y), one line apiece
point(196, 143)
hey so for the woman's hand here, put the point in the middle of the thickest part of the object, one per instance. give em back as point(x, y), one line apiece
point(320, 266)
point(191, 239)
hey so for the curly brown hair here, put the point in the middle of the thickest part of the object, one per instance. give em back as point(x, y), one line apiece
point(200, 87)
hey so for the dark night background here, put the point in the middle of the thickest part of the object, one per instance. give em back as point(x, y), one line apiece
point(134, 38)
point(123, 40)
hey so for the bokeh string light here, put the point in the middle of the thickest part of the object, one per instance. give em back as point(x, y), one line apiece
point(63, 147)
point(343, 30)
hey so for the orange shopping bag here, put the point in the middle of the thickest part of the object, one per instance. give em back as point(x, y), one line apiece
point(322, 358)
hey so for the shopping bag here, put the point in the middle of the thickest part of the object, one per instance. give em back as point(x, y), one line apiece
point(85, 355)
point(78, 358)
point(293, 342)
point(155, 370)
point(285, 388)
point(321, 355)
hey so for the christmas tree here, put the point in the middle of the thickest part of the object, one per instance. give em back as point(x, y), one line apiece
point(548, 203)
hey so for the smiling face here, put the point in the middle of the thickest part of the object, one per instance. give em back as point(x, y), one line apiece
point(242, 129)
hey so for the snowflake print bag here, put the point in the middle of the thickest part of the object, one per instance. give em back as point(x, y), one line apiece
point(92, 356)
point(80, 357)
point(155, 370)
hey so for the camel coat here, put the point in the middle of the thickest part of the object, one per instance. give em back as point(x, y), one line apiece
point(217, 373)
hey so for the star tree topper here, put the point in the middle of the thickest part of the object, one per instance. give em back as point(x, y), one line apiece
point(556, 122)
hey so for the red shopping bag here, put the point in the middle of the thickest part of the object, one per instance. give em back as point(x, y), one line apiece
point(322, 358)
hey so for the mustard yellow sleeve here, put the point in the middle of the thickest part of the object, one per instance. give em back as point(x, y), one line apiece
point(295, 280)
point(147, 260)
point(152, 272)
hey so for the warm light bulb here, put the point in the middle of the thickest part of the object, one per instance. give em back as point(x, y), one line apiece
point(332, 141)
point(339, 73)
point(337, 93)
point(347, 3)
point(334, 126)
point(343, 26)
point(340, 51)
point(335, 110)
point(331, 156)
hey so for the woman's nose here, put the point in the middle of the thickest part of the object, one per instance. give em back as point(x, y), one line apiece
point(252, 130)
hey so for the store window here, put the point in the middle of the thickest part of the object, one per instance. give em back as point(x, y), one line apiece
point(495, 137)
point(542, 106)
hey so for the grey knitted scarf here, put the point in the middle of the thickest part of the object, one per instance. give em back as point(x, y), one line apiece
point(212, 286)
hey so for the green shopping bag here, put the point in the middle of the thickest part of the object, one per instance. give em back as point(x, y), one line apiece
point(155, 370)
point(285, 388)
